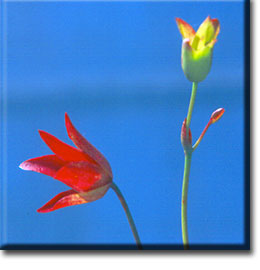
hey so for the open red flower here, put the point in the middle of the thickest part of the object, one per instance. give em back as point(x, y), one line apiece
point(84, 169)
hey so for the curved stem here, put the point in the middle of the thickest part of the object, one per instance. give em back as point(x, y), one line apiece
point(184, 200)
point(128, 214)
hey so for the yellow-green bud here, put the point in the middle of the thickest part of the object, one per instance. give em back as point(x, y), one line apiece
point(197, 48)
point(195, 64)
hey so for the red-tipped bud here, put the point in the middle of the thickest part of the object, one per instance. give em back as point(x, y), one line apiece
point(185, 140)
point(216, 115)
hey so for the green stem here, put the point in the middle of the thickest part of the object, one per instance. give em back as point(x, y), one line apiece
point(184, 200)
point(192, 101)
point(186, 174)
point(128, 214)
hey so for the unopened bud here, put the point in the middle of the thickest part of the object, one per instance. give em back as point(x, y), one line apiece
point(185, 140)
point(216, 115)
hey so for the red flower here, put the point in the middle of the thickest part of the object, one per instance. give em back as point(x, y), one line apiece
point(84, 169)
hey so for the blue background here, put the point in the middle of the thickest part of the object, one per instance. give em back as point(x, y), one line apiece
point(115, 68)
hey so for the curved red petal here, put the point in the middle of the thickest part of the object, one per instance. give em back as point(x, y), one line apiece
point(48, 165)
point(85, 145)
point(63, 150)
point(82, 176)
point(185, 29)
point(63, 199)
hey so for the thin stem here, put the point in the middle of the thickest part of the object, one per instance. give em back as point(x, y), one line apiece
point(186, 174)
point(128, 214)
point(201, 136)
point(192, 101)
point(184, 200)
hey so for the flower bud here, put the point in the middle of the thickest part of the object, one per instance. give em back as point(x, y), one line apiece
point(197, 48)
point(216, 115)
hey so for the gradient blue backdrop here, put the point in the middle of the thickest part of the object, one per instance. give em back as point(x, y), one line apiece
point(115, 68)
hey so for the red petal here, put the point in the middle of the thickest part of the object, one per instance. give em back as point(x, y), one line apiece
point(86, 146)
point(216, 25)
point(61, 149)
point(82, 176)
point(185, 29)
point(63, 199)
point(46, 164)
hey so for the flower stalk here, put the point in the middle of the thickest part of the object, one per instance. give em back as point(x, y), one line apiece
point(201, 136)
point(192, 101)
point(128, 214)
point(188, 150)
point(188, 155)
point(185, 186)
